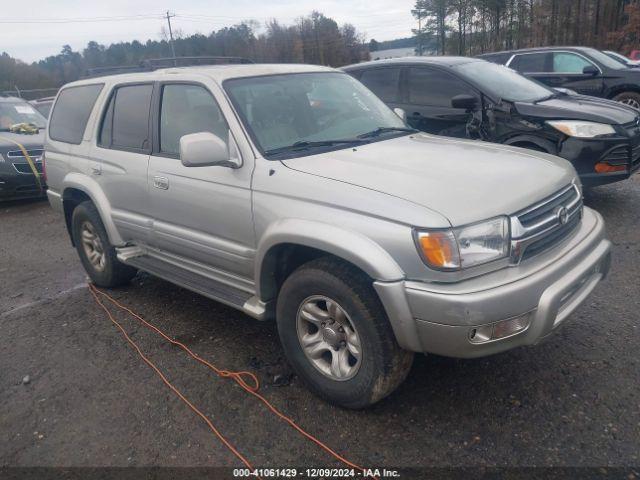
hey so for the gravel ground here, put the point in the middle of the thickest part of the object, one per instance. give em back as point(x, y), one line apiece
point(89, 400)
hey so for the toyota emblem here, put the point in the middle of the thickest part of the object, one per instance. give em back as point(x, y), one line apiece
point(562, 215)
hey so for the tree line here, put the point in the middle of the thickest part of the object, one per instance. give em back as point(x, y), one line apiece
point(469, 27)
point(315, 39)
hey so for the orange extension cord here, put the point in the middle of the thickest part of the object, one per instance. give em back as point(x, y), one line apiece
point(236, 376)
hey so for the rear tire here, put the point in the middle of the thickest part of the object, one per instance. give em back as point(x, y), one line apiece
point(97, 255)
point(348, 323)
point(631, 99)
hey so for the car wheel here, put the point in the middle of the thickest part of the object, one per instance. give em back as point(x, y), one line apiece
point(629, 98)
point(336, 335)
point(98, 256)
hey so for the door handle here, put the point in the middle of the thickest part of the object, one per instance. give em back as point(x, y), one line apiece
point(161, 182)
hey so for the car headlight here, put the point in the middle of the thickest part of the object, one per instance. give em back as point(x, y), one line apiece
point(464, 247)
point(582, 129)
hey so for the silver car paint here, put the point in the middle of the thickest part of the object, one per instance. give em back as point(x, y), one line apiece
point(359, 204)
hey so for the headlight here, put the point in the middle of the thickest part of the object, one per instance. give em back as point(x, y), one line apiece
point(464, 247)
point(582, 129)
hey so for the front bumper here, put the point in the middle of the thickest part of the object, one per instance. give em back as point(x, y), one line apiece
point(15, 186)
point(439, 318)
point(584, 154)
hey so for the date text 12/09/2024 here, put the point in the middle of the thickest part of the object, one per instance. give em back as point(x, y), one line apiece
point(315, 473)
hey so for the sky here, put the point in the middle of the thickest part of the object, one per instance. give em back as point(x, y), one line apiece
point(33, 29)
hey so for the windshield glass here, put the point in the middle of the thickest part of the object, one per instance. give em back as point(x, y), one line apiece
point(604, 59)
point(310, 110)
point(502, 82)
point(12, 113)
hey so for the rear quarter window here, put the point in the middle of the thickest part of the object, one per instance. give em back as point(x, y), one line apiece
point(71, 112)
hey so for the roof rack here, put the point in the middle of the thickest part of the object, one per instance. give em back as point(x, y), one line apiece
point(151, 64)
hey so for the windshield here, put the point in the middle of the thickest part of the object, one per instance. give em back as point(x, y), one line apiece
point(604, 59)
point(12, 113)
point(310, 111)
point(502, 82)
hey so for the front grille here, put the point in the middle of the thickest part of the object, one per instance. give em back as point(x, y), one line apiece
point(635, 156)
point(24, 168)
point(17, 154)
point(617, 156)
point(545, 224)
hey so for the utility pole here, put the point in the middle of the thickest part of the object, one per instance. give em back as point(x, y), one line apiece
point(173, 50)
point(420, 34)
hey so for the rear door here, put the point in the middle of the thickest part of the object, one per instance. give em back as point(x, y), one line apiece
point(427, 100)
point(201, 214)
point(121, 158)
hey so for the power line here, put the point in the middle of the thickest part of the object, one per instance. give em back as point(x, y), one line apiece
point(120, 18)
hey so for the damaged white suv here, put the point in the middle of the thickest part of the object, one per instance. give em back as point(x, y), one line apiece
point(292, 192)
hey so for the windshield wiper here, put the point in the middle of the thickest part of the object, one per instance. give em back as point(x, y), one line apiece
point(304, 145)
point(380, 130)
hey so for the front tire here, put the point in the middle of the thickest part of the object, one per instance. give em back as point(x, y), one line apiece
point(336, 335)
point(97, 255)
point(631, 99)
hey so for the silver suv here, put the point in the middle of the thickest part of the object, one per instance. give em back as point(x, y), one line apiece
point(292, 192)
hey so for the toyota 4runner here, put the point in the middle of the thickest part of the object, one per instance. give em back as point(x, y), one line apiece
point(293, 193)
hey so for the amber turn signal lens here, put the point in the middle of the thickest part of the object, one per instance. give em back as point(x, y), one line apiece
point(606, 168)
point(439, 249)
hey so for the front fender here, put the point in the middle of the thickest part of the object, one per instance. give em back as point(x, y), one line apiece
point(91, 188)
point(351, 246)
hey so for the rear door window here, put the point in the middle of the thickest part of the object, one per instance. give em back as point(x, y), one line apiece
point(71, 113)
point(532, 63)
point(384, 82)
point(125, 124)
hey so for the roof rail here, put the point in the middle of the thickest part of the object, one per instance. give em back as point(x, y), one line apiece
point(151, 64)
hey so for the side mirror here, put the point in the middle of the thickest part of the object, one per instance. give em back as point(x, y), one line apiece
point(205, 149)
point(401, 113)
point(590, 70)
point(464, 102)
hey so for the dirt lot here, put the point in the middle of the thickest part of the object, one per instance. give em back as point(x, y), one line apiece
point(90, 401)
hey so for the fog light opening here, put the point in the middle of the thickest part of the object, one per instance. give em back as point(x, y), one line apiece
point(603, 167)
point(500, 330)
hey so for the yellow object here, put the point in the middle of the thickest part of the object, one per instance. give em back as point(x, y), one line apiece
point(26, 128)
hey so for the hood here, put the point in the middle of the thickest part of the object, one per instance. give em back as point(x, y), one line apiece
point(580, 107)
point(466, 181)
point(28, 141)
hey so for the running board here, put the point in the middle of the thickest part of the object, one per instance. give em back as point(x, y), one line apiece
point(210, 288)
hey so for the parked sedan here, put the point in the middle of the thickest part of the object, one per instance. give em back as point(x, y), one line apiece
point(21, 130)
point(586, 70)
point(472, 98)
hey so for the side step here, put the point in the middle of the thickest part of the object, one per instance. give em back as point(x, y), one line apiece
point(208, 287)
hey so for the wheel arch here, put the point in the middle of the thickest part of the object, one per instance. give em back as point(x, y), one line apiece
point(289, 243)
point(79, 188)
point(618, 89)
point(524, 141)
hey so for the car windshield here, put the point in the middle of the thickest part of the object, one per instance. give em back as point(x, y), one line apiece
point(309, 111)
point(604, 59)
point(502, 82)
point(12, 113)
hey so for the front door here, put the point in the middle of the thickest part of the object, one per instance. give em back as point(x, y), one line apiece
point(427, 101)
point(201, 214)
